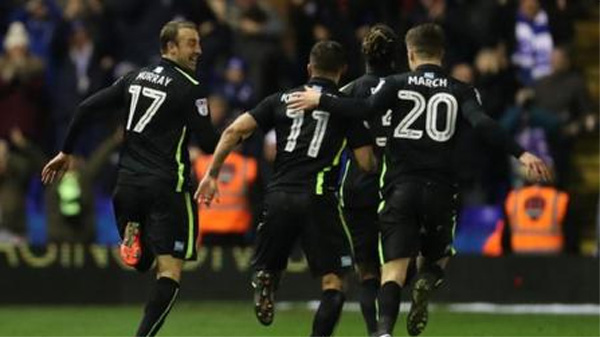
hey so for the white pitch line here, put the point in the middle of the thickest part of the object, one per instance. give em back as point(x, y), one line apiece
point(476, 307)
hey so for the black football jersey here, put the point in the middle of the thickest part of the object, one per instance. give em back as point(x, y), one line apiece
point(163, 105)
point(309, 143)
point(360, 188)
point(429, 109)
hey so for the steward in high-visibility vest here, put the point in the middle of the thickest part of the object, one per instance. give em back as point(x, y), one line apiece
point(535, 216)
point(233, 213)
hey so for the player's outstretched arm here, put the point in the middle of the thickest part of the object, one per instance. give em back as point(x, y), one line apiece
point(240, 129)
point(491, 131)
point(348, 107)
point(107, 98)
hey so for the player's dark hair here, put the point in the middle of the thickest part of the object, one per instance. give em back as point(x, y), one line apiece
point(328, 56)
point(426, 40)
point(169, 32)
point(380, 46)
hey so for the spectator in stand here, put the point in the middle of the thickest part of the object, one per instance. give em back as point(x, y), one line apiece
point(497, 83)
point(235, 88)
point(564, 94)
point(534, 42)
point(220, 112)
point(135, 25)
point(257, 30)
point(453, 19)
point(21, 82)
point(40, 17)
point(92, 15)
point(495, 80)
point(215, 33)
point(20, 160)
point(70, 202)
point(81, 70)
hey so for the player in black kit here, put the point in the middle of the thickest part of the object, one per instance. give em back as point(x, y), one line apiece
point(300, 203)
point(418, 213)
point(359, 192)
point(164, 103)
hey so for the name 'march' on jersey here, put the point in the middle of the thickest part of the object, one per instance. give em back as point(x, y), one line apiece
point(309, 143)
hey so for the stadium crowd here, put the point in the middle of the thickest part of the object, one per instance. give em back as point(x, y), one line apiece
point(55, 53)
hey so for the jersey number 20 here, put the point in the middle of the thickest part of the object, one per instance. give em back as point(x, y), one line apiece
point(403, 129)
point(297, 116)
point(157, 96)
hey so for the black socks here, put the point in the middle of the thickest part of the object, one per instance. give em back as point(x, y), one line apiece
point(328, 313)
point(367, 295)
point(161, 300)
point(389, 306)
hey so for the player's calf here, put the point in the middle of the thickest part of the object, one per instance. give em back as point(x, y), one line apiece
point(163, 296)
point(330, 307)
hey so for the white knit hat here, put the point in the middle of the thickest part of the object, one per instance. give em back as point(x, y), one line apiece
point(16, 36)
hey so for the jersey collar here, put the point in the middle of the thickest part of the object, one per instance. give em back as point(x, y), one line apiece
point(323, 82)
point(430, 67)
point(379, 71)
point(175, 65)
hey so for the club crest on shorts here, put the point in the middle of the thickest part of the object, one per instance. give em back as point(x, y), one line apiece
point(202, 106)
point(346, 261)
point(178, 246)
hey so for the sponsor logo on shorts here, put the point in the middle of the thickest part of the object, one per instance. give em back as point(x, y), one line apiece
point(346, 261)
point(179, 246)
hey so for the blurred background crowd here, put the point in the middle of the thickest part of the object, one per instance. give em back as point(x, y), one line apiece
point(534, 62)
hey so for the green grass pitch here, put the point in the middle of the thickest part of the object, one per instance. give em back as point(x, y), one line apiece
point(237, 319)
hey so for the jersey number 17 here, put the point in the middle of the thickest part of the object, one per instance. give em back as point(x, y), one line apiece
point(158, 98)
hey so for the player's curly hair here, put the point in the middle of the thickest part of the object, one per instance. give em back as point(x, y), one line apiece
point(380, 45)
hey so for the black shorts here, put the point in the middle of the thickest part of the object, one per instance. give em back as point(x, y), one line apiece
point(169, 219)
point(315, 220)
point(364, 229)
point(418, 216)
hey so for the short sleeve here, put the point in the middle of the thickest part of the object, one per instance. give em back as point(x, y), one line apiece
point(264, 112)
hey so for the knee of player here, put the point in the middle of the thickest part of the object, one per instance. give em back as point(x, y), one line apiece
point(367, 271)
point(332, 281)
point(170, 267)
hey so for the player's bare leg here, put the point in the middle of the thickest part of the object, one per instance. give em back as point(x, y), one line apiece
point(393, 278)
point(369, 275)
point(162, 297)
point(429, 278)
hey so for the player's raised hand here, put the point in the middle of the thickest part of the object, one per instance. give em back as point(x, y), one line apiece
point(55, 168)
point(304, 100)
point(535, 168)
point(207, 190)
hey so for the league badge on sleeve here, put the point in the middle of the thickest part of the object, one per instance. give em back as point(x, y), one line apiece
point(202, 106)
